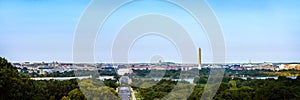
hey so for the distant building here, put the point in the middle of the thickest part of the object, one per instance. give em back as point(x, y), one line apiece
point(108, 68)
point(106, 77)
point(293, 66)
point(123, 71)
point(282, 67)
point(160, 61)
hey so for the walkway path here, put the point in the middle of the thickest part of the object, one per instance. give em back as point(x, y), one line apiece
point(132, 94)
point(126, 91)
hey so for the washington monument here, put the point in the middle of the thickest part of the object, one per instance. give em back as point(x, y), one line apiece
point(199, 58)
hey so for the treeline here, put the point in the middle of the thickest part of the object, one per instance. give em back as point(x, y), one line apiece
point(72, 73)
point(172, 74)
point(175, 74)
point(283, 73)
point(269, 89)
point(16, 86)
point(230, 89)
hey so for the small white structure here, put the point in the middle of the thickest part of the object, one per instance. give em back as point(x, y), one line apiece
point(62, 78)
point(281, 67)
point(102, 78)
point(123, 71)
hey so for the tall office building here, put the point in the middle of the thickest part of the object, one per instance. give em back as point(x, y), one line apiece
point(199, 58)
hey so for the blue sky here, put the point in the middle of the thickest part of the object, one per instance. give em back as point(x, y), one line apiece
point(43, 30)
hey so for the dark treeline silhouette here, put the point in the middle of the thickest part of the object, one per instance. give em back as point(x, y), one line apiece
point(18, 86)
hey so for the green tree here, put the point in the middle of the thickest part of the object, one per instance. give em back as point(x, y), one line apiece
point(76, 94)
point(65, 98)
point(12, 84)
point(98, 91)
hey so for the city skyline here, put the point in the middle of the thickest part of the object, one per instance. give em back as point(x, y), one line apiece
point(263, 31)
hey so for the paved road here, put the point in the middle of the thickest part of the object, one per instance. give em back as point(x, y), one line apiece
point(124, 93)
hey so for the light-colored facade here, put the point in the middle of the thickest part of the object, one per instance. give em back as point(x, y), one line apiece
point(106, 77)
point(123, 71)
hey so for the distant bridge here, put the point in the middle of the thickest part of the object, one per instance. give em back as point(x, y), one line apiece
point(61, 78)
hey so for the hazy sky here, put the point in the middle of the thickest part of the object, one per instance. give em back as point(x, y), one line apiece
point(43, 30)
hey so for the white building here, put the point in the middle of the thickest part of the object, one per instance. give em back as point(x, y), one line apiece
point(123, 71)
point(281, 67)
point(106, 77)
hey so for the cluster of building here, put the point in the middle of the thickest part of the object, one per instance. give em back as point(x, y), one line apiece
point(265, 66)
point(43, 68)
